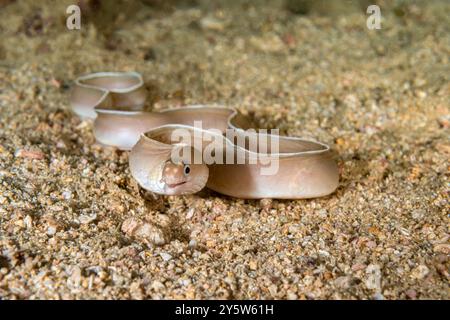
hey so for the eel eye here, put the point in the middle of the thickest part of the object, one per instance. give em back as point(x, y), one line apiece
point(187, 169)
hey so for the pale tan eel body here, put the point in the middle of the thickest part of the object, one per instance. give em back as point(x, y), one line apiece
point(305, 168)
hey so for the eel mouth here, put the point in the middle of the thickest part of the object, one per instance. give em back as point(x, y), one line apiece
point(174, 185)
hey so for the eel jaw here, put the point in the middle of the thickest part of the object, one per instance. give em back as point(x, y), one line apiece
point(174, 185)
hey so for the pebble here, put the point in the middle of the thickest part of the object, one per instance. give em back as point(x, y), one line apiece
point(51, 230)
point(291, 295)
point(411, 294)
point(192, 243)
point(253, 265)
point(129, 226)
point(358, 267)
point(157, 285)
point(87, 218)
point(28, 222)
point(144, 230)
point(418, 214)
point(165, 256)
point(67, 194)
point(75, 277)
point(185, 282)
point(420, 272)
point(343, 282)
point(378, 296)
point(444, 121)
point(190, 213)
point(53, 226)
point(270, 44)
point(421, 94)
point(373, 277)
point(210, 23)
point(266, 204)
point(22, 153)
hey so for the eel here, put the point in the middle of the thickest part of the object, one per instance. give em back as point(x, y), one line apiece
point(179, 151)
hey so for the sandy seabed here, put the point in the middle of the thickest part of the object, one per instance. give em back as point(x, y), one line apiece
point(74, 224)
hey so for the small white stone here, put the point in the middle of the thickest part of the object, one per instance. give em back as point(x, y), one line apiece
point(185, 282)
point(75, 277)
point(210, 23)
point(28, 222)
point(322, 213)
point(343, 282)
point(193, 243)
point(373, 280)
point(323, 253)
point(190, 213)
point(291, 296)
point(165, 256)
point(51, 230)
point(378, 296)
point(87, 218)
point(149, 232)
point(418, 214)
point(67, 194)
point(157, 285)
point(420, 272)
